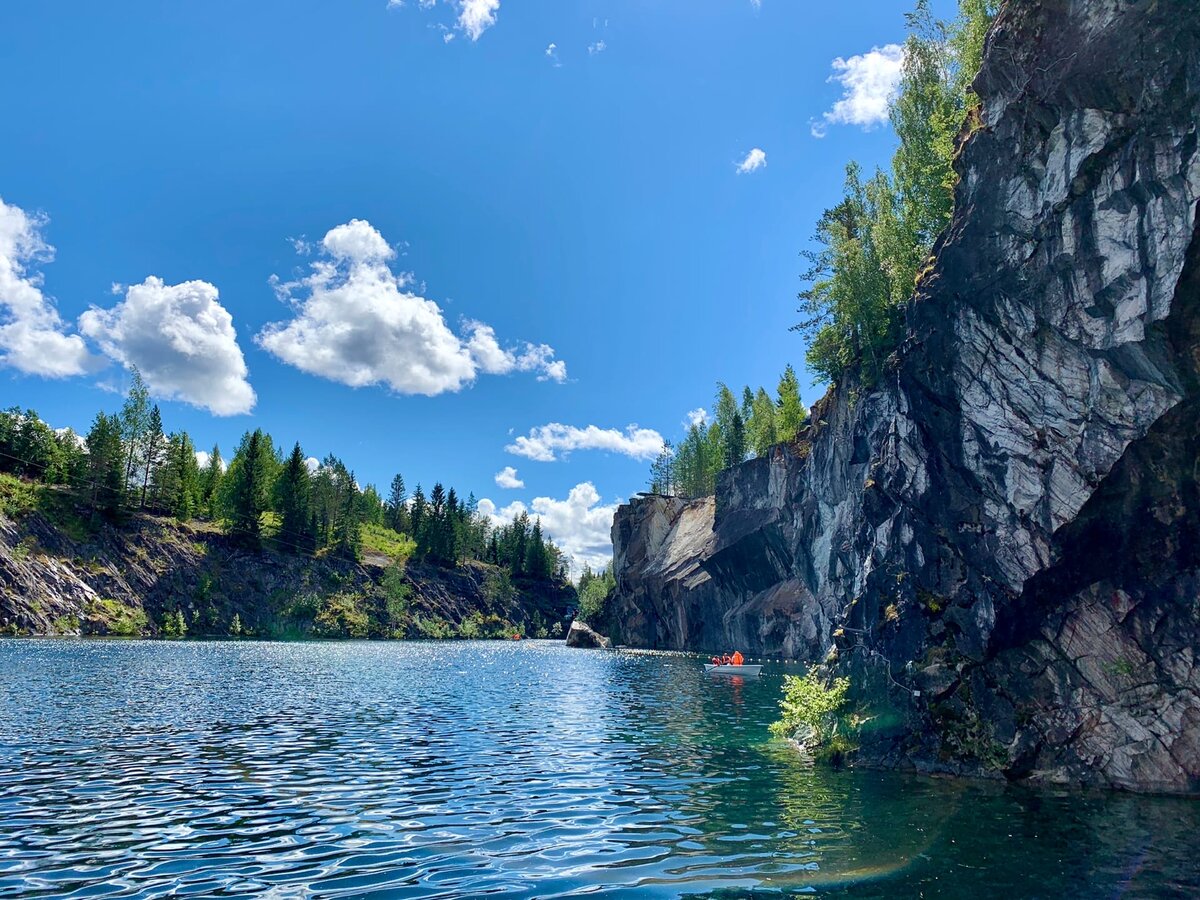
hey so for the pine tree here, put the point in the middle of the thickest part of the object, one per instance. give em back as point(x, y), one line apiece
point(248, 491)
point(417, 516)
point(105, 471)
point(735, 442)
point(520, 542)
point(537, 562)
point(455, 520)
point(396, 508)
point(210, 482)
point(152, 450)
point(176, 483)
point(662, 480)
point(790, 412)
point(293, 491)
point(349, 530)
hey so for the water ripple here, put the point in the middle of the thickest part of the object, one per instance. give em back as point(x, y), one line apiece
point(145, 769)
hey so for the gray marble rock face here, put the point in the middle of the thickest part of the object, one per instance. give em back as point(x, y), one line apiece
point(1008, 522)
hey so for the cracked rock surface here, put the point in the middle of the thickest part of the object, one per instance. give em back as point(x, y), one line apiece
point(1009, 521)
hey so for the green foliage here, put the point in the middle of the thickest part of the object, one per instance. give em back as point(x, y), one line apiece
point(381, 540)
point(103, 478)
point(17, 496)
point(292, 500)
point(32, 449)
point(211, 477)
point(498, 588)
point(873, 245)
point(477, 626)
point(431, 627)
point(754, 425)
point(68, 624)
point(174, 624)
point(177, 482)
point(236, 628)
point(340, 615)
point(247, 487)
point(593, 591)
point(789, 415)
point(116, 618)
point(397, 594)
point(809, 704)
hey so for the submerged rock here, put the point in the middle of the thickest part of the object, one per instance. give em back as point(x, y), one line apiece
point(1000, 541)
point(580, 635)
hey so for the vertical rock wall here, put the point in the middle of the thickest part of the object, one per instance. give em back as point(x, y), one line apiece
point(999, 540)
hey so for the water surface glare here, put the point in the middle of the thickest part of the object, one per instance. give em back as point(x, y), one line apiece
point(223, 769)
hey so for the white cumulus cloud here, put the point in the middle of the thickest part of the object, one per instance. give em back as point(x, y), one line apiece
point(756, 159)
point(697, 416)
point(358, 323)
point(597, 47)
point(181, 339)
point(868, 81)
point(580, 525)
point(507, 478)
point(33, 336)
point(477, 16)
point(493, 359)
point(546, 443)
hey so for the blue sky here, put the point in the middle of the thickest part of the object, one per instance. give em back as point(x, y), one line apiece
point(291, 187)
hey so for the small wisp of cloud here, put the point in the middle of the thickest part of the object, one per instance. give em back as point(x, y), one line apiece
point(547, 443)
point(754, 160)
point(552, 55)
point(507, 479)
point(596, 48)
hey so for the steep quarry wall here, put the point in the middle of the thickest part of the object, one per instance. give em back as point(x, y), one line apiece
point(1000, 541)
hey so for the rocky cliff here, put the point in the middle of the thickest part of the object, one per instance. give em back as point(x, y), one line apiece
point(59, 577)
point(1000, 541)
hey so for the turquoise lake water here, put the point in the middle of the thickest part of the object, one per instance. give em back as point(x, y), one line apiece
point(221, 769)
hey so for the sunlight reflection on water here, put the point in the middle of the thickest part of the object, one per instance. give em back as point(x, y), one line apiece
point(134, 769)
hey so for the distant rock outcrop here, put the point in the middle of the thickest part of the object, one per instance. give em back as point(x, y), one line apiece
point(580, 635)
point(1000, 541)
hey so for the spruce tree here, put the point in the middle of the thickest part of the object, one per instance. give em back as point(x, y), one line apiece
point(105, 471)
point(735, 442)
point(248, 491)
point(790, 412)
point(661, 478)
point(210, 482)
point(293, 493)
point(397, 510)
point(349, 530)
point(152, 450)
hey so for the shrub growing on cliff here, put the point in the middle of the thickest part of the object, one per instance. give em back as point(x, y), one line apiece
point(809, 707)
point(341, 616)
point(174, 624)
